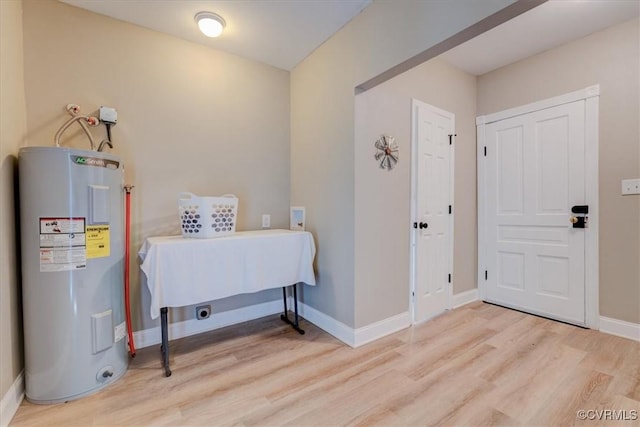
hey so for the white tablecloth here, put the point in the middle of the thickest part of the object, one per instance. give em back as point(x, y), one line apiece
point(182, 271)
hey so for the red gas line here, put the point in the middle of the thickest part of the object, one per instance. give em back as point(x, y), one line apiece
point(127, 244)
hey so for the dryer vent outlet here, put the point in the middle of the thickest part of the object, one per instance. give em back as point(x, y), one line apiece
point(203, 312)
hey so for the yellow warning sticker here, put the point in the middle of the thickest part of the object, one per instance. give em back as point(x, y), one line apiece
point(97, 241)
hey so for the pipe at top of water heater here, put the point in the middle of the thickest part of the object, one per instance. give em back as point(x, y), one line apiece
point(92, 121)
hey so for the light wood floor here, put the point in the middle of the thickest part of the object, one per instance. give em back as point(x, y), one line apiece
point(478, 365)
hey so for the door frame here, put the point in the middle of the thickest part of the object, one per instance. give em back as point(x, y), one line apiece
point(591, 96)
point(415, 103)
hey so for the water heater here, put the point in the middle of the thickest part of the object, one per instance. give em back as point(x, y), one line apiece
point(71, 220)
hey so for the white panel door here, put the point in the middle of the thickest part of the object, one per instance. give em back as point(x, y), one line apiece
point(535, 173)
point(432, 220)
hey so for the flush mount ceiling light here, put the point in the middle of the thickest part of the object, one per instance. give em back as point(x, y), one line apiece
point(210, 24)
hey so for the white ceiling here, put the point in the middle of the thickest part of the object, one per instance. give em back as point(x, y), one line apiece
point(283, 32)
point(549, 25)
point(276, 32)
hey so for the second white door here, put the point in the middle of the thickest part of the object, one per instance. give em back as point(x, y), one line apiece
point(534, 189)
point(433, 131)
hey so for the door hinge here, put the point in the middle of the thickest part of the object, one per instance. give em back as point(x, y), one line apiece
point(449, 209)
point(486, 275)
point(451, 138)
point(485, 151)
point(449, 277)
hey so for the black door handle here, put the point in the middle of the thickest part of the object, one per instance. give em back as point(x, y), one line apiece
point(421, 225)
point(579, 221)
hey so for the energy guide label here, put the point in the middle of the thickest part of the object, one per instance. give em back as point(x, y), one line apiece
point(63, 244)
point(98, 245)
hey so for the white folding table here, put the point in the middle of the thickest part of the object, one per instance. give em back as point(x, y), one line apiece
point(186, 271)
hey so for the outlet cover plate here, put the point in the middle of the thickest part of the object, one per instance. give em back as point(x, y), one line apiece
point(203, 312)
point(630, 186)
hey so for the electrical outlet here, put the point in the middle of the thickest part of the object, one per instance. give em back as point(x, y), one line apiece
point(203, 312)
point(630, 186)
point(266, 221)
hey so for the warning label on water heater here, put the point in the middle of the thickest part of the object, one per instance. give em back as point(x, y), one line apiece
point(61, 225)
point(63, 244)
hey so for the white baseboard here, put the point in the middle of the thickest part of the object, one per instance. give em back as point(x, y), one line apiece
point(11, 400)
point(463, 298)
point(344, 333)
point(350, 336)
point(382, 328)
point(148, 337)
point(620, 328)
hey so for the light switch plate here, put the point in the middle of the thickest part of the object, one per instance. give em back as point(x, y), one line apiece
point(266, 221)
point(630, 186)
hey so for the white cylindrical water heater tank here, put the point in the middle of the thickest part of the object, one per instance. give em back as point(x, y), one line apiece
point(71, 220)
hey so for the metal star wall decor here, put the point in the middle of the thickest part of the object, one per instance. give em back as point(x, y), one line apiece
point(387, 152)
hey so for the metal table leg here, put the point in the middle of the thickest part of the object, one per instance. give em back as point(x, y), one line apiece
point(165, 341)
point(285, 316)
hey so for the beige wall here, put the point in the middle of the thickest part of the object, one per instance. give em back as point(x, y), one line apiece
point(12, 136)
point(322, 125)
point(383, 198)
point(610, 58)
point(190, 118)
